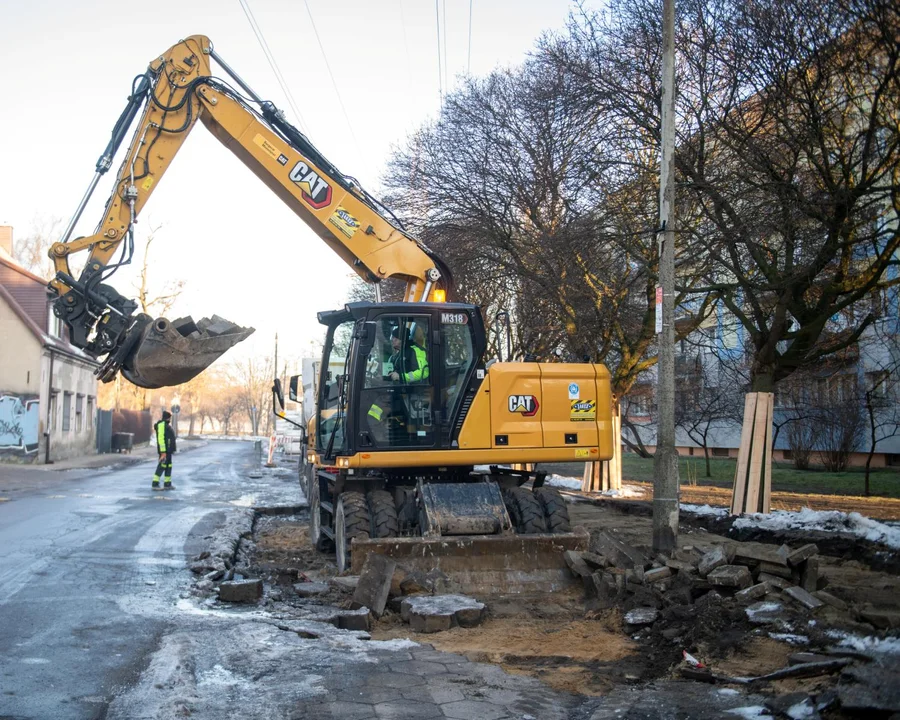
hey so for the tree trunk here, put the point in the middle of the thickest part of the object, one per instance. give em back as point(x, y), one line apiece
point(706, 456)
point(870, 412)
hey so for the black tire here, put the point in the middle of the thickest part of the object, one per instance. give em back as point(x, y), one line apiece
point(319, 540)
point(351, 522)
point(525, 511)
point(385, 523)
point(556, 514)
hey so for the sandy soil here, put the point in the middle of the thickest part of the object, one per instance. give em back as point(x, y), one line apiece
point(577, 655)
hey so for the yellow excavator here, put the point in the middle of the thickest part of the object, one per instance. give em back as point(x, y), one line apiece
point(419, 448)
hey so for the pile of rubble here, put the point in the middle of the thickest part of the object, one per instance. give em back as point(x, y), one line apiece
point(616, 574)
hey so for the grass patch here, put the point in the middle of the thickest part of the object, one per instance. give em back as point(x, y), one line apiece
point(884, 482)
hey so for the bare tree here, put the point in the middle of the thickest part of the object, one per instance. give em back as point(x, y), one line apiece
point(155, 299)
point(881, 387)
point(251, 379)
point(31, 250)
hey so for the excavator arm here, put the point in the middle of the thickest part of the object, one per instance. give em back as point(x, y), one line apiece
point(176, 91)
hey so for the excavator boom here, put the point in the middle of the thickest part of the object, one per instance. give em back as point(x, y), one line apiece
point(176, 91)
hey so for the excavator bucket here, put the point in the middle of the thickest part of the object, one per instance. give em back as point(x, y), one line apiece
point(171, 353)
point(484, 565)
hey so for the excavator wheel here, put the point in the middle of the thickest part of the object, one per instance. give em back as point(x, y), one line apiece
point(351, 521)
point(319, 540)
point(383, 512)
point(525, 511)
point(556, 514)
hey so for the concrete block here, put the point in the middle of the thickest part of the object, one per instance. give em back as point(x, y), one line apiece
point(803, 597)
point(358, 619)
point(241, 591)
point(830, 599)
point(576, 563)
point(441, 612)
point(757, 554)
point(310, 589)
point(346, 583)
point(713, 559)
point(682, 567)
point(619, 553)
point(776, 582)
point(374, 584)
point(598, 562)
point(795, 557)
point(730, 576)
point(809, 574)
point(882, 619)
point(651, 576)
point(641, 616)
point(754, 592)
point(781, 571)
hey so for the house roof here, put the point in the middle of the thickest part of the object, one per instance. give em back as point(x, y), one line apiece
point(26, 294)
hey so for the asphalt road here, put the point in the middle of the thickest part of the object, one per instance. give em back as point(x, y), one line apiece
point(91, 564)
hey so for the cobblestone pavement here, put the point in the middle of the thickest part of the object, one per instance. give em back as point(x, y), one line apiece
point(423, 683)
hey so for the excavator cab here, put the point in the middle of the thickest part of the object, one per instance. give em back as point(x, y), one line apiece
point(395, 376)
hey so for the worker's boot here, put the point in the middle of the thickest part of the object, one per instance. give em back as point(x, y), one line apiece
point(155, 485)
point(168, 486)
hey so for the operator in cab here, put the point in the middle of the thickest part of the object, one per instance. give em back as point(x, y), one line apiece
point(419, 371)
point(403, 359)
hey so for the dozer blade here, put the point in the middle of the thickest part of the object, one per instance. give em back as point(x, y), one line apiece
point(484, 565)
point(171, 353)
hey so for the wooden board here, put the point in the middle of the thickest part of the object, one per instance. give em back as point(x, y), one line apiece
point(740, 474)
point(757, 453)
point(766, 500)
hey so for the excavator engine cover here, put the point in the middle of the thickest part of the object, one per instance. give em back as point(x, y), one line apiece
point(171, 353)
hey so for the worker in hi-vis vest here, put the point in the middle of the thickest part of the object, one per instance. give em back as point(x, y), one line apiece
point(165, 446)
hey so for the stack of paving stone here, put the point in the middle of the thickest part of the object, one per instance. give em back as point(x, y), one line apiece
point(617, 574)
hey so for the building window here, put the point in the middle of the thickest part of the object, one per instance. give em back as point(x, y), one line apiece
point(89, 421)
point(54, 402)
point(719, 452)
point(67, 411)
point(79, 414)
point(54, 324)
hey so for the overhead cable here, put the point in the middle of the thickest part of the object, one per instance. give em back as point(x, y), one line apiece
point(270, 57)
point(333, 83)
point(437, 18)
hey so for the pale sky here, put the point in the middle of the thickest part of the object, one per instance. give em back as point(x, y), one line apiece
point(67, 69)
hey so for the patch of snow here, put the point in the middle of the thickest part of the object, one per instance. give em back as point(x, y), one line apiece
point(802, 710)
point(244, 501)
point(704, 510)
point(728, 691)
point(750, 712)
point(790, 638)
point(866, 644)
point(569, 483)
point(826, 521)
point(626, 491)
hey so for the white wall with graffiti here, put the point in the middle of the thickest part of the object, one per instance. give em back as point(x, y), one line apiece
point(20, 426)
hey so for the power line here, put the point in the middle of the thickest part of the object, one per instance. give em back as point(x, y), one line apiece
point(446, 84)
point(437, 19)
point(270, 57)
point(331, 75)
point(469, 56)
point(406, 47)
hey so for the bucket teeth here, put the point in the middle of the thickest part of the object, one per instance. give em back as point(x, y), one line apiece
point(171, 353)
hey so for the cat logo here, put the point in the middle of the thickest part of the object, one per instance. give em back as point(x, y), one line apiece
point(525, 404)
point(582, 410)
point(315, 191)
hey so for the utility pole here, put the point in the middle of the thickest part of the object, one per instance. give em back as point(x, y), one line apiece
point(665, 466)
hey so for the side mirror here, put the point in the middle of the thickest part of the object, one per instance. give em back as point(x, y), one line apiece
point(277, 393)
point(294, 388)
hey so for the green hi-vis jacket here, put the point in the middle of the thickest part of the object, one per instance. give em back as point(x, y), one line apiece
point(165, 437)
